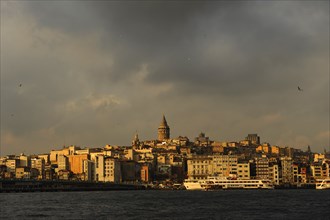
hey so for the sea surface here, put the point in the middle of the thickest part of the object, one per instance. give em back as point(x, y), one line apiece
point(235, 204)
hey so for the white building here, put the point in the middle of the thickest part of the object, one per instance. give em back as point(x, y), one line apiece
point(199, 167)
point(107, 169)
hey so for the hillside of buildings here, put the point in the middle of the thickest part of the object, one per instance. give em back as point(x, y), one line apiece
point(167, 161)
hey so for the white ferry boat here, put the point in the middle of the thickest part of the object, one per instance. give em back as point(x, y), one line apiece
point(323, 183)
point(215, 182)
point(191, 184)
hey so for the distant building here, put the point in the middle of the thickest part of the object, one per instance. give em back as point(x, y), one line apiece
point(136, 141)
point(163, 130)
point(253, 138)
point(275, 150)
point(202, 140)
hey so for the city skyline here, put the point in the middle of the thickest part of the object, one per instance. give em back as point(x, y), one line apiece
point(93, 73)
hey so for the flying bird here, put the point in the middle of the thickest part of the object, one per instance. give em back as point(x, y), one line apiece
point(20, 85)
point(300, 89)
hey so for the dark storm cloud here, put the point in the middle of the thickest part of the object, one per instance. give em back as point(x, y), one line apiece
point(210, 44)
point(214, 44)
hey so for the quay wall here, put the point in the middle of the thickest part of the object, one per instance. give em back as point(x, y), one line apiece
point(14, 185)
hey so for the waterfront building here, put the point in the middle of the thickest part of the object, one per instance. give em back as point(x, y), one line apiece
point(64, 175)
point(262, 167)
point(76, 163)
point(50, 173)
point(316, 170)
point(296, 179)
point(164, 172)
point(99, 167)
point(107, 169)
point(45, 157)
point(129, 171)
point(88, 170)
point(66, 151)
point(326, 168)
point(303, 174)
point(274, 174)
point(199, 167)
point(243, 170)
point(24, 161)
point(39, 164)
point(62, 162)
point(224, 165)
point(22, 173)
point(11, 165)
point(286, 170)
point(163, 130)
point(146, 172)
point(320, 170)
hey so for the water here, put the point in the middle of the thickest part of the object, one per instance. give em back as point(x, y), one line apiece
point(236, 204)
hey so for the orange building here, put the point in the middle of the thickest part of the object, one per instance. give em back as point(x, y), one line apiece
point(76, 163)
point(145, 173)
point(275, 150)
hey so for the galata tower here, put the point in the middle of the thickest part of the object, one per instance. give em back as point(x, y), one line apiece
point(163, 130)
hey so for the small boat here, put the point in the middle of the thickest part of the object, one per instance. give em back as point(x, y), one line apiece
point(323, 183)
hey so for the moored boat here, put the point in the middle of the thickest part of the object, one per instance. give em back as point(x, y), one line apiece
point(215, 182)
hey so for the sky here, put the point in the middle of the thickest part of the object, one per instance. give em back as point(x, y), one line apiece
point(91, 73)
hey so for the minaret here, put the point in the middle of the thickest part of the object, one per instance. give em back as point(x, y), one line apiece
point(163, 130)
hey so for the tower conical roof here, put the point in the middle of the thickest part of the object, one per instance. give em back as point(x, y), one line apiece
point(164, 122)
